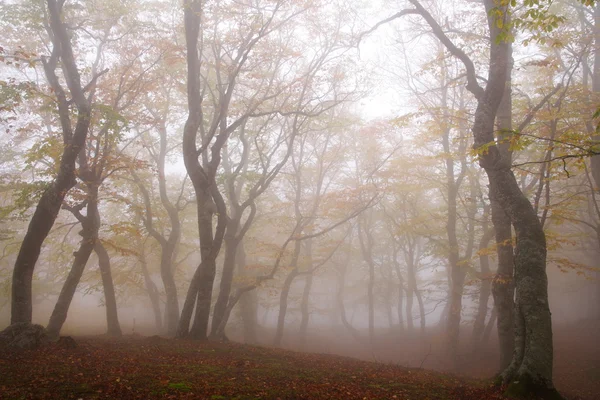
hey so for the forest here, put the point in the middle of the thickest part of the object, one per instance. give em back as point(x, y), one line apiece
point(299, 199)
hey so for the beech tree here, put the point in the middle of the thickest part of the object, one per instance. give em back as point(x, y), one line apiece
point(258, 95)
point(168, 241)
point(74, 138)
point(531, 366)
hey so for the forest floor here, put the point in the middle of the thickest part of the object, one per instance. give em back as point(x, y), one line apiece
point(137, 367)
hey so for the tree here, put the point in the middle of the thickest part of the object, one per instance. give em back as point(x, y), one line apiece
point(314, 144)
point(168, 242)
point(74, 139)
point(531, 367)
point(98, 160)
point(237, 94)
point(318, 88)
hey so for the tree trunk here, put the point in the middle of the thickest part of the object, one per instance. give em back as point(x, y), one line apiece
point(530, 371)
point(457, 272)
point(168, 246)
point(166, 273)
point(455, 310)
point(89, 235)
point(39, 227)
point(229, 262)
point(531, 366)
point(532, 358)
point(248, 305)
point(152, 292)
point(400, 302)
point(248, 301)
point(371, 303)
point(341, 307)
point(207, 277)
point(388, 302)
point(304, 308)
point(110, 300)
point(52, 199)
point(283, 298)
point(366, 247)
point(421, 310)
point(283, 302)
point(409, 309)
point(201, 286)
point(304, 305)
point(486, 285)
point(200, 290)
point(489, 327)
point(502, 285)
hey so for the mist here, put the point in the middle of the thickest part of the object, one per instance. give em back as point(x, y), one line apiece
point(410, 184)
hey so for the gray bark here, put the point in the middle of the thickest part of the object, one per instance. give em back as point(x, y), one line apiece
point(503, 285)
point(304, 305)
point(209, 200)
point(52, 199)
point(366, 246)
point(248, 302)
point(89, 234)
point(486, 285)
point(152, 290)
point(531, 368)
point(110, 299)
point(285, 291)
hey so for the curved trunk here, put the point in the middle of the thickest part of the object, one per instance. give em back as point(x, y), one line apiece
point(530, 371)
point(201, 286)
point(283, 302)
point(89, 235)
point(229, 262)
point(502, 285)
point(199, 293)
point(51, 201)
point(110, 300)
point(532, 357)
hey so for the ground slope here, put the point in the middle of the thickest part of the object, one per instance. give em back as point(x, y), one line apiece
point(157, 368)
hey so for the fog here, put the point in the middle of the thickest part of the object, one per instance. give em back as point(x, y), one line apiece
point(407, 183)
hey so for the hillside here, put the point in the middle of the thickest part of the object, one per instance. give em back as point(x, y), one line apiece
point(156, 368)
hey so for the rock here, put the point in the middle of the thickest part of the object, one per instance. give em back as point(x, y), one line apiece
point(24, 336)
point(67, 342)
